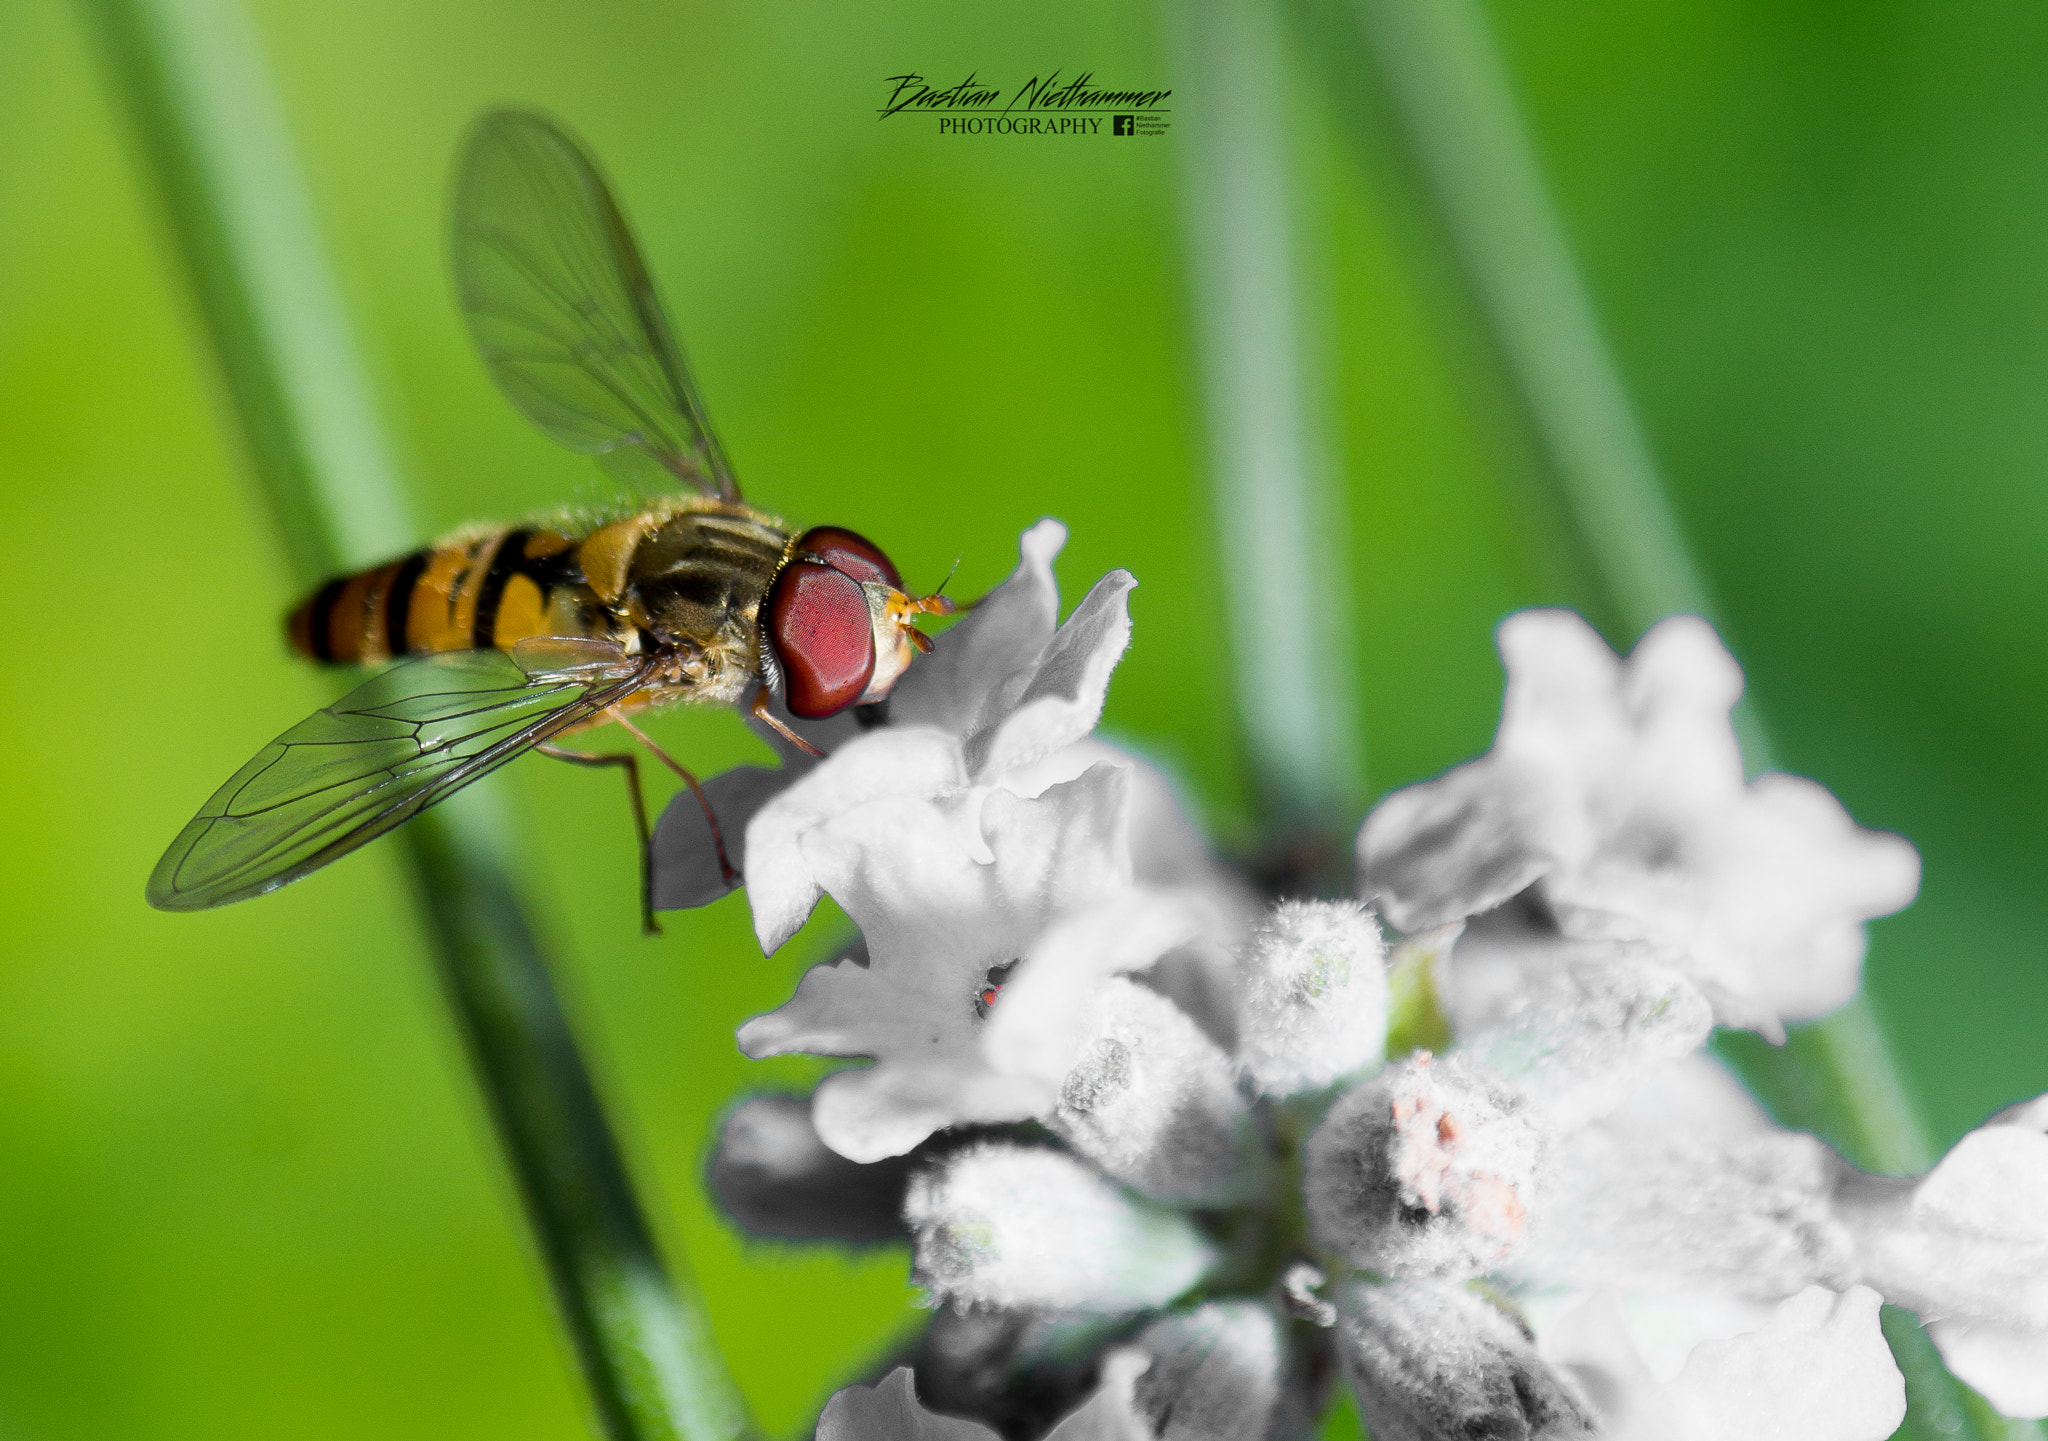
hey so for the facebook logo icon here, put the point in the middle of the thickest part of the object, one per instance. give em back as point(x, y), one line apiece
point(1123, 125)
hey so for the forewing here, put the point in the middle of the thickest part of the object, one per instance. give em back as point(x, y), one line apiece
point(383, 753)
point(561, 305)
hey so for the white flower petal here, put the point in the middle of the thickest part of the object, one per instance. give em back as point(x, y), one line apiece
point(686, 869)
point(1658, 1329)
point(1167, 847)
point(1813, 1368)
point(2031, 1114)
point(1063, 698)
point(1021, 1227)
point(898, 761)
point(1969, 1240)
point(1111, 1414)
point(1312, 1007)
point(2007, 1366)
point(1819, 1370)
point(1456, 846)
point(1043, 1017)
point(1590, 1342)
point(948, 894)
point(1967, 1247)
point(889, 1411)
point(873, 1114)
point(967, 680)
point(1009, 681)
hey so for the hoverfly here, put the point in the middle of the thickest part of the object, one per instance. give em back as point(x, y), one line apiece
point(520, 636)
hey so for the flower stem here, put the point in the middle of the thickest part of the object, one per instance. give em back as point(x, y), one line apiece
point(212, 134)
point(1277, 514)
point(1420, 86)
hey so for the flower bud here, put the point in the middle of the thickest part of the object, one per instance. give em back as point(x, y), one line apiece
point(1424, 1171)
point(1222, 1372)
point(1430, 1361)
point(1019, 1371)
point(1312, 1006)
point(1681, 1212)
point(1016, 1226)
point(1578, 1037)
point(773, 1176)
point(1151, 1101)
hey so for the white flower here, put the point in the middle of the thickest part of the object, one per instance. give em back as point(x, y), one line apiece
point(951, 896)
point(1566, 1222)
point(1614, 797)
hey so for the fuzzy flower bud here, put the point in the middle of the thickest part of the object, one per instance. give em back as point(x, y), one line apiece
point(1221, 1372)
point(1023, 1227)
point(1578, 1037)
point(1313, 1001)
point(1151, 1101)
point(1426, 1171)
point(1748, 1216)
point(1433, 1362)
point(774, 1177)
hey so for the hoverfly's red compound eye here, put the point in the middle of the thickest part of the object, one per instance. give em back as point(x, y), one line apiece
point(819, 622)
point(850, 553)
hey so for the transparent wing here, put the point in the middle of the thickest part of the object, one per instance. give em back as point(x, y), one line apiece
point(383, 753)
point(561, 305)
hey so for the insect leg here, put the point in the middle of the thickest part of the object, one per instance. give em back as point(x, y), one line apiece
point(760, 712)
point(631, 765)
point(725, 867)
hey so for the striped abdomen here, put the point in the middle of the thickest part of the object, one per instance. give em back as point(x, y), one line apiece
point(490, 590)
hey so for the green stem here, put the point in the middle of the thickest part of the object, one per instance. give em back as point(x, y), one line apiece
point(213, 134)
point(1421, 87)
point(1276, 511)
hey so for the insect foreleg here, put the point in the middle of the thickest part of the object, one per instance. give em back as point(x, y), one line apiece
point(631, 765)
point(760, 712)
point(726, 872)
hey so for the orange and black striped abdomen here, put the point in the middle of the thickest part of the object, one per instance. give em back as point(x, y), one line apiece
point(489, 590)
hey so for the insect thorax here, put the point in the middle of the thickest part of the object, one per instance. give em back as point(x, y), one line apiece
point(697, 580)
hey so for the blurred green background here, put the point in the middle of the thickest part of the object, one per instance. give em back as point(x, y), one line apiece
point(245, 1186)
